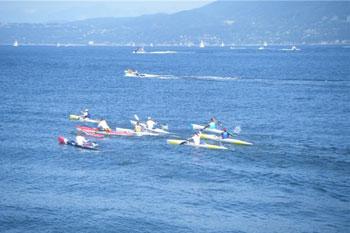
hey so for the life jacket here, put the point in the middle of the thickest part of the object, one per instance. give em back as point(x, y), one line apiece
point(225, 135)
point(138, 128)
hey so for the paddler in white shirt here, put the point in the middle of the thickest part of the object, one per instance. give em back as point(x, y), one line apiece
point(196, 138)
point(103, 126)
point(150, 123)
point(80, 140)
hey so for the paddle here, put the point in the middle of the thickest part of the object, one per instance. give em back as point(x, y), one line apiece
point(184, 142)
point(236, 130)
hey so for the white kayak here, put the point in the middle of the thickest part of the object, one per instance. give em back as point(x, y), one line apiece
point(200, 127)
point(227, 140)
point(136, 133)
point(79, 118)
point(155, 130)
point(187, 143)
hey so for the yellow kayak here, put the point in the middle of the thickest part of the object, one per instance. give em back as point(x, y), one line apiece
point(227, 140)
point(79, 118)
point(208, 146)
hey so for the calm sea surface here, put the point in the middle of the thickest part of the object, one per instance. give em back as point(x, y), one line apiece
point(293, 105)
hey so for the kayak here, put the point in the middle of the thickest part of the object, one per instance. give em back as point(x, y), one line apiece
point(227, 140)
point(204, 145)
point(200, 127)
point(91, 133)
point(155, 130)
point(133, 133)
point(96, 131)
point(79, 118)
point(88, 146)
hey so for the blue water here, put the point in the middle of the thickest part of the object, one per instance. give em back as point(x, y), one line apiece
point(294, 107)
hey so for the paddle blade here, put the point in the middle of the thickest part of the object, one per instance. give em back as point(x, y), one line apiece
point(136, 117)
point(165, 127)
point(237, 130)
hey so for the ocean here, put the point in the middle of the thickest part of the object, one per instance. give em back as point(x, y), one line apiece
point(293, 105)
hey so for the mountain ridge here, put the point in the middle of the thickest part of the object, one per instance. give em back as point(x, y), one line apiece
point(216, 23)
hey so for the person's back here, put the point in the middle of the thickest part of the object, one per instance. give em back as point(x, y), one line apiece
point(150, 123)
point(80, 140)
point(212, 123)
point(196, 139)
point(102, 125)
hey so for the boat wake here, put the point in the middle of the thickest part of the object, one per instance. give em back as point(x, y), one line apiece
point(316, 82)
point(162, 52)
point(192, 77)
point(212, 78)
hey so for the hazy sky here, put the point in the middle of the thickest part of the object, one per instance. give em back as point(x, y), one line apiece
point(53, 11)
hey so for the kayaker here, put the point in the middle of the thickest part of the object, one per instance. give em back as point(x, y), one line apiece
point(212, 123)
point(150, 123)
point(85, 114)
point(225, 134)
point(103, 126)
point(196, 138)
point(80, 140)
point(138, 127)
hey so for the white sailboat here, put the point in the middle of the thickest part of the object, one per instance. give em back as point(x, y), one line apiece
point(201, 45)
point(15, 44)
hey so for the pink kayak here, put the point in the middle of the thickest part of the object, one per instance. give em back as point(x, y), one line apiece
point(96, 131)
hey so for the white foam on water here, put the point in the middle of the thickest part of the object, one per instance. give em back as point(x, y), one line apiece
point(162, 52)
point(213, 78)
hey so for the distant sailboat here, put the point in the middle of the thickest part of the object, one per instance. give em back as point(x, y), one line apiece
point(139, 50)
point(15, 44)
point(201, 45)
point(222, 44)
point(294, 48)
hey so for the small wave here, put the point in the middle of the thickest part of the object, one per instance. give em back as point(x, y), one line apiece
point(173, 77)
point(237, 48)
point(292, 50)
point(318, 82)
point(162, 52)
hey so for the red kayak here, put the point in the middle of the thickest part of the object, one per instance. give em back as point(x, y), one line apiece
point(96, 131)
